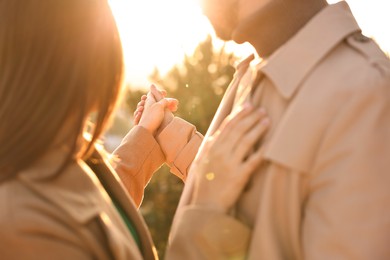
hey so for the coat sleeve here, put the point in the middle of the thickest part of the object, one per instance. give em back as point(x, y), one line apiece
point(206, 234)
point(34, 240)
point(347, 215)
point(33, 248)
point(179, 142)
point(136, 159)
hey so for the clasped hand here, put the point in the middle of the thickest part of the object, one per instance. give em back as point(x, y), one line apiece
point(228, 158)
point(154, 111)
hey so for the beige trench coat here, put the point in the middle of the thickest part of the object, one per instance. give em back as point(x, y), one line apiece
point(72, 217)
point(323, 190)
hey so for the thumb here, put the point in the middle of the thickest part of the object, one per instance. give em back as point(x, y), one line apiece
point(150, 100)
point(172, 104)
point(163, 103)
point(158, 95)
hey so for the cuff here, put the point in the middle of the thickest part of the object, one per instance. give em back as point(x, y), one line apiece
point(136, 159)
point(179, 142)
point(137, 147)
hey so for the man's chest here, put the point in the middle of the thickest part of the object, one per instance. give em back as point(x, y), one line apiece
point(262, 94)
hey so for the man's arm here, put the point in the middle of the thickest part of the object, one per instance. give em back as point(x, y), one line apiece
point(179, 142)
point(347, 215)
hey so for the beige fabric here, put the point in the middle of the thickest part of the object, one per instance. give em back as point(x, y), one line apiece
point(71, 216)
point(176, 145)
point(323, 190)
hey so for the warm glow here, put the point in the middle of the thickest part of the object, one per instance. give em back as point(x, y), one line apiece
point(157, 33)
point(374, 18)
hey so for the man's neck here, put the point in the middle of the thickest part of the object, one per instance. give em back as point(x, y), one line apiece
point(274, 24)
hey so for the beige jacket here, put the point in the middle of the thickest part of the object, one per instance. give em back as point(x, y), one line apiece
point(323, 191)
point(72, 217)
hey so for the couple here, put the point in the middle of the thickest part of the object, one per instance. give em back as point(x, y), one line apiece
point(315, 184)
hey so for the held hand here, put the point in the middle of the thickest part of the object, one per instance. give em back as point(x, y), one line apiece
point(152, 113)
point(172, 106)
point(139, 110)
point(228, 160)
point(158, 95)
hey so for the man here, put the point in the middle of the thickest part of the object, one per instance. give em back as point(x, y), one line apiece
point(323, 190)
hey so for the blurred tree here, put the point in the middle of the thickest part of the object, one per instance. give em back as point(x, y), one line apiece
point(199, 83)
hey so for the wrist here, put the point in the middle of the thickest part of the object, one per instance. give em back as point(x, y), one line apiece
point(168, 117)
point(148, 127)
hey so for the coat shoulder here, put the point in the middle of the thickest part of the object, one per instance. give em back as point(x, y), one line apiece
point(368, 55)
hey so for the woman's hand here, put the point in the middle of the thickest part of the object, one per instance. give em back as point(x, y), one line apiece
point(158, 95)
point(172, 106)
point(228, 159)
point(139, 110)
point(151, 112)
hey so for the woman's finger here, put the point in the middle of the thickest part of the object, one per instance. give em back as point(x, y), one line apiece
point(233, 120)
point(137, 117)
point(150, 100)
point(248, 122)
point(240, 125)
point(158, 95)
point(164, 102)
point(172, 104)
point(253, 161)
point(233, 133)
point(246, 144)
point(138, 111)
point(141, 103)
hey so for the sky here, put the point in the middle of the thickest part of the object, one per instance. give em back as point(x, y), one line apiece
point(158, 33)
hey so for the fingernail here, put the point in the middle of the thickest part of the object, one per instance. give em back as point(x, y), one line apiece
point(246, 105)
point(265, 121)
point(262, 111)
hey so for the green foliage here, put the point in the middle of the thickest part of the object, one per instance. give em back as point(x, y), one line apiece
point(199, 84)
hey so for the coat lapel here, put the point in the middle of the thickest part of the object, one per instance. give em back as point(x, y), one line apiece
point(78, 193)
point(106, 174)
point(224, 109)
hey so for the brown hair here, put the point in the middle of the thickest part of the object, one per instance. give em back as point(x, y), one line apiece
point(59, 61)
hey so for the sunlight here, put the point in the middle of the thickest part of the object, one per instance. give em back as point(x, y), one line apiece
point(158, 33)
point(373, 18)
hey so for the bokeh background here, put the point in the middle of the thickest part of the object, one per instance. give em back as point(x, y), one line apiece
point(171, 44)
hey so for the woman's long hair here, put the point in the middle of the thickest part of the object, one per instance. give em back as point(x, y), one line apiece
point(59, 61)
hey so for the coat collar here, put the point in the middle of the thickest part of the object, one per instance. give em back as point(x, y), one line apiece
point(290, 64)
point(64, 189)
point(103, 170)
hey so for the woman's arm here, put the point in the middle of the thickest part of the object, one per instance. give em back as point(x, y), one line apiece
point(157, 137)
point(139, 155)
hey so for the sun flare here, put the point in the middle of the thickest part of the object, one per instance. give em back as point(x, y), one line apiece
point(158, 33)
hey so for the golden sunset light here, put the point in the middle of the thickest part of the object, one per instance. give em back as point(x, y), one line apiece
point(158, 33)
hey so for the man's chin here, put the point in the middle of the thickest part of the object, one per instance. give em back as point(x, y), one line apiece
point(223, 34)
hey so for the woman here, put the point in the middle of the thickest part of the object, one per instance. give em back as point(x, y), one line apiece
point(60, 68)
